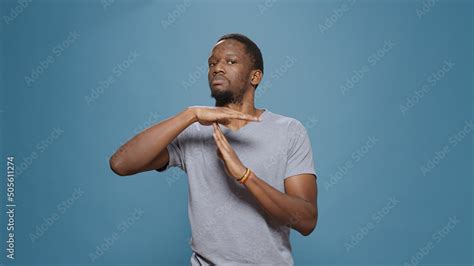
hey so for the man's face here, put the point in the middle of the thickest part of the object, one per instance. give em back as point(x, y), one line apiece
point(229, 72)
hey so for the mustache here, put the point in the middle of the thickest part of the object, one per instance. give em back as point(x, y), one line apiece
point(219, 77)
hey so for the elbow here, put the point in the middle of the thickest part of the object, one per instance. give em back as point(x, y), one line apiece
point(308, 230)
point(310, 225)
point(117, 167)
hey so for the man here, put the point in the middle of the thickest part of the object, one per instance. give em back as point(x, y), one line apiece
point(250, 171)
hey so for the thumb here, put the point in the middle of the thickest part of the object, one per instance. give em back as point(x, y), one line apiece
point(223, 121)
point(219, 154)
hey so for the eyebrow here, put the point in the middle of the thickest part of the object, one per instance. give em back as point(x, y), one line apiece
point(230, 54)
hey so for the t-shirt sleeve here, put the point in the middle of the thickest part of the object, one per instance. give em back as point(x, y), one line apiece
point(300, 155)
point(176, 154)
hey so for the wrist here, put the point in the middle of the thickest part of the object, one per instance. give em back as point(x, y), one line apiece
point(241, 174)
point(243, 179)
point(249, 179)
point(190, 114)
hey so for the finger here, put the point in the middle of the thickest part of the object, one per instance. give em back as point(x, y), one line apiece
point(221, 140)
point(221, 136)
point(239, 115)
point(247, 117)
point(217, 132)
point(219, 144)
point(219, 154)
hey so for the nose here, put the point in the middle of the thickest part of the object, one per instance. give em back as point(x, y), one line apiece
point(218, 68)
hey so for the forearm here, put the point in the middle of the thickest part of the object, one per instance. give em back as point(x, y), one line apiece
point(142, 149)
point(292, 211)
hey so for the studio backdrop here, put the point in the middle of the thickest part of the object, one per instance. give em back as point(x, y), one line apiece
point(384, 89)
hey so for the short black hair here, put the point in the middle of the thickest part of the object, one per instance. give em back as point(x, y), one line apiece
point(250, 46)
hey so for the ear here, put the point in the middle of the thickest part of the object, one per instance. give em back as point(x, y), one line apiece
point(256, 77)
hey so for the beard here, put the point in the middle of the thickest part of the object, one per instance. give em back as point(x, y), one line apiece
point(224, 97)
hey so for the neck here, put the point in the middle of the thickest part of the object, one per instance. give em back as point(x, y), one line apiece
point(247, 106)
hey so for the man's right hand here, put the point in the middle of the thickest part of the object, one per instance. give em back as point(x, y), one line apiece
point(206, 115)
point(148, 149)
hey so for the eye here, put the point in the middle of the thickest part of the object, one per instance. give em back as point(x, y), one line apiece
point(211, 64)
point(231, 62)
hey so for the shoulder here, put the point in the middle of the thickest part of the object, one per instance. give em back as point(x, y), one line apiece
point(286, 122)
point(292, 129)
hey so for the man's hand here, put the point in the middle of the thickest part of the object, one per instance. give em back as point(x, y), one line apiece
point(225, 152)
point(208, 115)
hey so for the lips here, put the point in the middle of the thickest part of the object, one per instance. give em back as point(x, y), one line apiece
point(218, 80)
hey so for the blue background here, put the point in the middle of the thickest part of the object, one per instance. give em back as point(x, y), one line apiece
point(305, 66)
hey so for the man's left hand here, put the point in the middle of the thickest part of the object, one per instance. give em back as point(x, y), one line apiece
point(225, 152)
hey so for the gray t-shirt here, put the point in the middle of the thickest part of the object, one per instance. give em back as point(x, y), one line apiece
point(228, 225)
